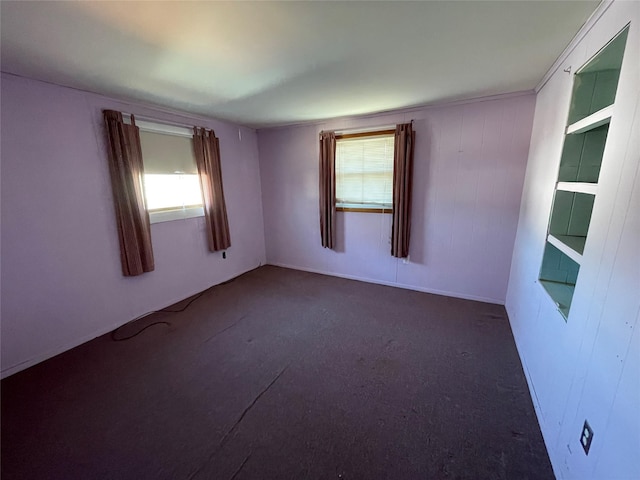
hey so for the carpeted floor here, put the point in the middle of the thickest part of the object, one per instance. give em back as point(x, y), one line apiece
point(282, 374)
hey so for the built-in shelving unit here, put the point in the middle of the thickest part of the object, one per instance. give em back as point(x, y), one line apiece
point(590, 113)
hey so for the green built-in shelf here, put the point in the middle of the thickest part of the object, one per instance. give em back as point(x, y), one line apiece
point(561, 294)
point(570, 218)
point(571, 246)
point(595, 120)
point(596, 82)
point(558, 276)
point(590, 114)
point(582, 155)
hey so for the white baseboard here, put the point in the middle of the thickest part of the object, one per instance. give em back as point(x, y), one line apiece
point(392, 284)
point(68, 346)
point(6, 372)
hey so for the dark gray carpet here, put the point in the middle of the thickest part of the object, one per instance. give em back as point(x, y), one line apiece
point(282, 374)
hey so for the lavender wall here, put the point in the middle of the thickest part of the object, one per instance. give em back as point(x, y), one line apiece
point(61, 277)
point(469, 167)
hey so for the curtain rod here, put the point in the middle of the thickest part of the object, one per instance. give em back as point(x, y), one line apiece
point(155, 120)
point(153, 125)
point(365, 129)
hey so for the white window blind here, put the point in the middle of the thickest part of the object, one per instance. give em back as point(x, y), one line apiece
point(167, 154)
point(364, 172)
point(171, 183)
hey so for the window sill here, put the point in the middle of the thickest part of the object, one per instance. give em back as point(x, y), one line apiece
point(363, 208)
point(169, 215)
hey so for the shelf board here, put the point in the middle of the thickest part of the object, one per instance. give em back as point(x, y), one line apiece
point(561, 294)
point(573, 242)
point(592, 121)
point(578, 187)
point(571, 246)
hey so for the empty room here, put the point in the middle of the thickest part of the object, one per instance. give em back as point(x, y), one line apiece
point(320, 240)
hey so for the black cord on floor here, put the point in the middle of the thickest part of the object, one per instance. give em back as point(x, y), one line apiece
point(164, 310)
point(186, 306)
point(113, 334)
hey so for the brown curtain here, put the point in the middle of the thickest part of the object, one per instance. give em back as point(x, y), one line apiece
point(402, 180)
point(125, 165)
point(328, 189)
point(207, 152)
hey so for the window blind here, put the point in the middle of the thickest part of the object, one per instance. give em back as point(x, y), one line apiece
point(364, 171)
point(167, 154)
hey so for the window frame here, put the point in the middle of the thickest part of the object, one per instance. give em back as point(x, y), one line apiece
point(364, 208)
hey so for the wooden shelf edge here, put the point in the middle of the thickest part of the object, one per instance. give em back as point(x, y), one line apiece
point(592, 121)
point(564, 248)
point(578, 187)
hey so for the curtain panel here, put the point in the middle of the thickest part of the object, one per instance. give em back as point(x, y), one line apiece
point(328, 189)
point(132, 218)
point(207, 152)
point(402, 181)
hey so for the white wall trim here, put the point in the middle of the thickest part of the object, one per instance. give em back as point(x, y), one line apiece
point(400, 111)
point(139, 104)
point(434, 291)
point(584, 30)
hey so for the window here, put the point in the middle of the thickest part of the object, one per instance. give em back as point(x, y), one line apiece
point(171, 182)
point(364, 171)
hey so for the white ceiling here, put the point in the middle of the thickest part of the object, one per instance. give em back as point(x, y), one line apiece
point(271, 63)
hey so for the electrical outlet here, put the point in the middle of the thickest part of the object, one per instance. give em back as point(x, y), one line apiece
point(586, 437)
